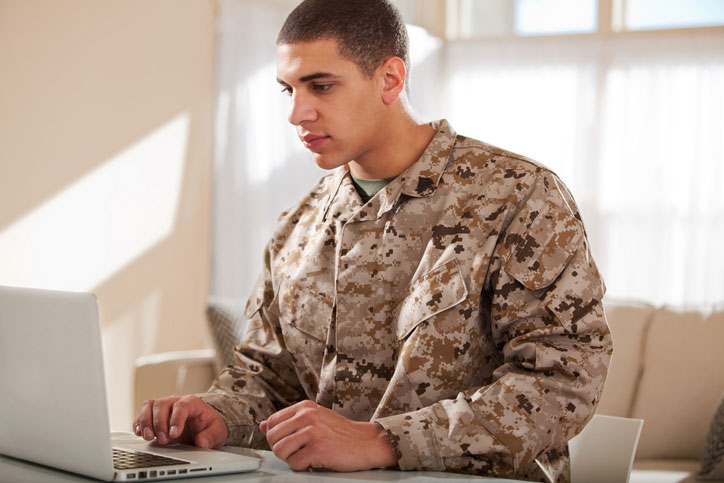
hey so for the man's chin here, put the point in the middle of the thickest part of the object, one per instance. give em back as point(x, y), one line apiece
point(327, 162)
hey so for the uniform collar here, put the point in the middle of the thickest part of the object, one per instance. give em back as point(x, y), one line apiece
point(419, 180)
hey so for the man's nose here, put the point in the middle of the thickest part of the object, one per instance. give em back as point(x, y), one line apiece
point(301, 110)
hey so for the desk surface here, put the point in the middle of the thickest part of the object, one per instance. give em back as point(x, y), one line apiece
point(273, 470)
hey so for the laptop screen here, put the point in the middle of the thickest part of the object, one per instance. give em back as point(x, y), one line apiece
point(53, 407)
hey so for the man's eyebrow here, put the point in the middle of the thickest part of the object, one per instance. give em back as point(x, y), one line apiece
point(311, 77)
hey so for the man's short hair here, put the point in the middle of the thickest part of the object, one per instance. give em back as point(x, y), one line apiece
point(367, 31)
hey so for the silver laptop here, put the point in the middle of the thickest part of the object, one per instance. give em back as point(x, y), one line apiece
point(53, 398)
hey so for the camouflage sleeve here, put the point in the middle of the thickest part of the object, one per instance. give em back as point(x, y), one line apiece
point(263, 379)
point(542, 301)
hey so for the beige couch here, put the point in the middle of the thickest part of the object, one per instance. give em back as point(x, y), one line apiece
point(667, 369)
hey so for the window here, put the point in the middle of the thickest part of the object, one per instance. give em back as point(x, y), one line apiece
point(662, 14)
point(486, 18)
point(554, 16)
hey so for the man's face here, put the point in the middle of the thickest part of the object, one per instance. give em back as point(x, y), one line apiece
point(337, 109)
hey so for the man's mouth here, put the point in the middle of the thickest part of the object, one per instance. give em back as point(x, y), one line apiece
point(312, 141)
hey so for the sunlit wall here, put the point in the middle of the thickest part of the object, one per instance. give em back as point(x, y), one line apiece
point(105, 165)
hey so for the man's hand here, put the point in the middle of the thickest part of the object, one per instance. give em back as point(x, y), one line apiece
point(308, 435)
point(181, 419)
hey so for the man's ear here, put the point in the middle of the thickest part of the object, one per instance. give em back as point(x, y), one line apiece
point(394, 75)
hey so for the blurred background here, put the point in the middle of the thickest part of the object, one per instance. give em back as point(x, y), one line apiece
point(145, 152)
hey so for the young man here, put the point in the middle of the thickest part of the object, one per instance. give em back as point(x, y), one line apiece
point(430, 304)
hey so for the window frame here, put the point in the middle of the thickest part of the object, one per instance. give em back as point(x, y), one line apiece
point(441, 18)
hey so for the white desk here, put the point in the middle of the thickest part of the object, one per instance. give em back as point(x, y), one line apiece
point(273, 470)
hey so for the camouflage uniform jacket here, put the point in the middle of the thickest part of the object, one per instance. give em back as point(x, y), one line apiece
point(459, 308)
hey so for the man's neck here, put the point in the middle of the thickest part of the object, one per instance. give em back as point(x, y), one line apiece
point(402, 144)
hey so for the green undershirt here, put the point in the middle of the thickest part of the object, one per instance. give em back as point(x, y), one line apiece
point(367, 188)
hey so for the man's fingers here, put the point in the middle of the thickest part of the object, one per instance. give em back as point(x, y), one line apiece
point(203, 422)
point(289, 445)
point(144, 421)
point(161, 412)
point(177, 420)
point(185, 419)
point(137, 421)
point(189, 417)
point(303, 418)
point(286, 413)
point(213, 436)
point(305, 458)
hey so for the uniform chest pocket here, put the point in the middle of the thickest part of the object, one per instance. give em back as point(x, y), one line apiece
point(438, 290)
point(303, 309)
point(547, 247)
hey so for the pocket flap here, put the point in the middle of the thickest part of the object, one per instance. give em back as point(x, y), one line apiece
point(304, 309)
point(438, 290)
point(546, 248)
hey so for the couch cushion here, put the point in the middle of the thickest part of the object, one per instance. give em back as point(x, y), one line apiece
point(664, 471)
point(627, 321)
point(681, 383)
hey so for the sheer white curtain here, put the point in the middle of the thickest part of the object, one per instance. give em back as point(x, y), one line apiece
point(261, 166)
point(661, 175)
point(634, 125)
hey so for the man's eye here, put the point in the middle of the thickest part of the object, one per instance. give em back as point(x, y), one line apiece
point(322, 87)
point(287, 90)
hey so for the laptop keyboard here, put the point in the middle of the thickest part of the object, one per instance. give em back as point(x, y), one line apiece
point(127, 460)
